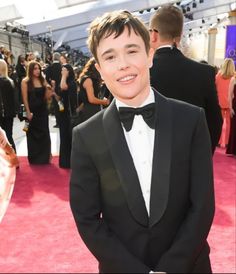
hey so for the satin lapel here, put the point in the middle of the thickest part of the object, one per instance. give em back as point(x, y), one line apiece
point(161, 160)
point(124, 164)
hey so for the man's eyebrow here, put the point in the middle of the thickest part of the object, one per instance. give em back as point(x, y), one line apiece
point(132, 46)
point(126, 46)
point(107, 52)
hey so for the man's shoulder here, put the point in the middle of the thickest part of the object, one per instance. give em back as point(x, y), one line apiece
point(177, 105)
point(91, 126)
point(185, 108)
point(205, 68)
point(182, 59)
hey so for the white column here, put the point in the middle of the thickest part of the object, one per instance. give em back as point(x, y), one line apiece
point(211, 45)
point(232, 17)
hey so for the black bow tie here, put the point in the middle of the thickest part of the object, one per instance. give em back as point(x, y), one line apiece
point(127, 115)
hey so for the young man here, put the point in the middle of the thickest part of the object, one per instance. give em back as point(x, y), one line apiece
point(176, 76)
point(141, 188)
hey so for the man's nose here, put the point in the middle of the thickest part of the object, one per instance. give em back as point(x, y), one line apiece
point(122, 63)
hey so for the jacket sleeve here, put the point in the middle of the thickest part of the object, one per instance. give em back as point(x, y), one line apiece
point(191, 237)
point(85, 202)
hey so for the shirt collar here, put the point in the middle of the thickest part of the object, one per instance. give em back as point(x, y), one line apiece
point(165, 46)
point(150, 99)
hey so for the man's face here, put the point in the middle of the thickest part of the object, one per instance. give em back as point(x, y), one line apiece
point(124, 66)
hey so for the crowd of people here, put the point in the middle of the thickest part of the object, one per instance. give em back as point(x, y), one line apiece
point(38, 88)
point(141, 169)
point(94, 96)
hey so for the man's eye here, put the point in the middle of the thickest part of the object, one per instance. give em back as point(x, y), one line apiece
point(109, 58)
point(132, 51)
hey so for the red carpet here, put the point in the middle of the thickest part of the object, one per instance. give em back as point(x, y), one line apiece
point(38, 233)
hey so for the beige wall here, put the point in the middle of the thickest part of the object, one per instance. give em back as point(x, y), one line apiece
point(197, 45)
point(20, 45)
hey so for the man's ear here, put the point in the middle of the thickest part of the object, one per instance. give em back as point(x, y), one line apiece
point(154, 36)
point(150, 56)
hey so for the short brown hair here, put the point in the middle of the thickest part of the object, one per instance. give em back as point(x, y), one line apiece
point(168, 21)
point(114, 23)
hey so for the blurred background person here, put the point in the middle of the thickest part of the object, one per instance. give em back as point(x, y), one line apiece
point(178, 77)
point(48, 59)
point(68, 96)
point(231, 149)
point(13, 76)
point(223, 78)
point(35, 96)
point(10, 155)
point(21, 73)
point(29, 57)
point(90, 90)
point(8, 164)
point(8, 57)
point(7, 102)
point(53, 73)
point(2, 48)
point(64, 59)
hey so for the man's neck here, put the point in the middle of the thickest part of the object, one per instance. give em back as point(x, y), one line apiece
point(166, 44)
point(147, 98)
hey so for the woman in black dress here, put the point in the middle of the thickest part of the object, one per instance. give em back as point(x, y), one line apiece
point(231, 148)
point(90, 90)
point(21, 73)
point(7, 102)
point(35, 96)
point(68, 98)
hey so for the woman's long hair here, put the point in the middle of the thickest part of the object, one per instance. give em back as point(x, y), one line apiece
point(228, 68)
point(90, 70)
point(29, 74)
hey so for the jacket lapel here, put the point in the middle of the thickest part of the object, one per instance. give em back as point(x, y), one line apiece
point(161, 160)
point(124, 164)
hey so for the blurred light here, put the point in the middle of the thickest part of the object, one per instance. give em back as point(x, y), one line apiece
point(233, 6)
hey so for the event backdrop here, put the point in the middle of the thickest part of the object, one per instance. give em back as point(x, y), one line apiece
point(230, 48)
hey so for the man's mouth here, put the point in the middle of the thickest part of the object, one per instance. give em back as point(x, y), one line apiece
point(126, 78)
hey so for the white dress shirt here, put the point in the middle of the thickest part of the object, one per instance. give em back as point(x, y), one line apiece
point(140, 140)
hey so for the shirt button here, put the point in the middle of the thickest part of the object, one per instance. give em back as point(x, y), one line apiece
point(140, 132)
point(144, 162)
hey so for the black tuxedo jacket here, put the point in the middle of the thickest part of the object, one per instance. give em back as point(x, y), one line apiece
point(107, 202)
point(53, 72)
point(176, 76)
